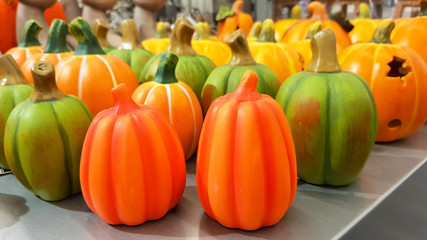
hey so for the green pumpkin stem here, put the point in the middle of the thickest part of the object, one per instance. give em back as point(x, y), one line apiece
point(30, 34)
point(364, 11)
point(202, 31)
point(88, 43)
point(324, 53)
point(315, 28)
point(101, 29)
point(123, 102)
point(383, 32)
point(423, 10)
point(130, 35)
point(296, 12)
point(44, 82)
point(240, 53)
point(57, 40)
point(267, 32)
point(161, 30)
point(10, 72)
point(182, 34)
point(166, 70)
point(246, 91)
point(255, 29)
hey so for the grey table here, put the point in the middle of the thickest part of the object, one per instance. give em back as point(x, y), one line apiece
point(316, 213)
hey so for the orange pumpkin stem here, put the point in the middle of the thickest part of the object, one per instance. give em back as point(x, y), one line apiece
point(324, 53)
point(101, 29)
point(10, 72)
point(44, 82)
point(241, 55)
point(318, 11)
point(130, 35)
point(123, 101)
point(247, 88)
point(237, 6)
point(180, 42)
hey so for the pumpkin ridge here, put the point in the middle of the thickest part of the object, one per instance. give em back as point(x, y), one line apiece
point(110, 161)
point(377, 51)
point(295, 85)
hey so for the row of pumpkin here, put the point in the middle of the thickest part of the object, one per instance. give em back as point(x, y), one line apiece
point(245, 139)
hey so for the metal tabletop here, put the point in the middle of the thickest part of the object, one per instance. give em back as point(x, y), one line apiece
point(317, 212)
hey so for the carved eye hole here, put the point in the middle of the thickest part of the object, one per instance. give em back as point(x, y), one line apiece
point(398, 67)
point(394, 124)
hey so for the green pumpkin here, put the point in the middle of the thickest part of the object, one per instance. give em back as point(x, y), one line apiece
point(131, 50)
point(192, 68)
point(14, 88)
point(332, 116)
point(44, 137)
point(226, 78)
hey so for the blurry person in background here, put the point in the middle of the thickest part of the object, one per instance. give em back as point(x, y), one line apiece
point(144, 15)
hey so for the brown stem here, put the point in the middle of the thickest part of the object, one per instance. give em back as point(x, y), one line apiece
point(130, 35)
point(101, 29)
point(324, 53)
point(10, 72)
point(180, 42)
point(44, 82)
point(240, 53)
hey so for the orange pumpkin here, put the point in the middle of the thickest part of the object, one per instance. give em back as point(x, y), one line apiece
point(215, 50)
point(132, 168)
point(231, 20)
point(8, 24)
point(176, 100)
point(90, 74)
point(29, 44)
point(300, 29)
point(364, 26)
point(160, 43)
point(396, 75)
point(56, 49)
point(283, 59)
point(413, 32)
point(282, 25)
point(246, 168)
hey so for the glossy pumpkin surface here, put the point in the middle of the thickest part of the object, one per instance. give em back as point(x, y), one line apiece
point(396, 76)
point(240, 188)
point(176, 100)
point(225, 79)
point(332, 143)
point(132, 168)
point(56, 49)
point(13, 90)
point(283, 59)
point(44, 137)
point(229, 20)
point(90, 74)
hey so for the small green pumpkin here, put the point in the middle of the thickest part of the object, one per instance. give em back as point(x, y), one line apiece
point(14, 88)
point(44, 137)
point(192, 68)
point(226, 78)
point(332, 116)
point(131, 50)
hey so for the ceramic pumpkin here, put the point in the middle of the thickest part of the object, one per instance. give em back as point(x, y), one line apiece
point(300, 29)
point(56, 49)
point(225, 79)
point(412, 32)
point(332, 116)
point(29, 44)
point(303, 46)
point(90, 74)
point(364, 26)
point(44, 137)
point(8, 24)
point(101, 28)
point(283, 59)
point(131, 51)
point(176, 100)
point(215, 50)
point(192, 68)
point(246, 169)
point(229, 20)
point(396, 75)
point(141, 147)
point(160, 43)
point(282, 25)
point(14, 89)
